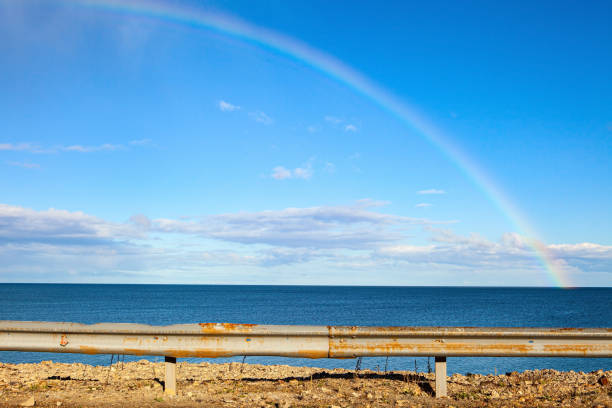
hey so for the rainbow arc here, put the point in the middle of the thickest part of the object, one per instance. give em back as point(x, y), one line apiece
point(336, 69)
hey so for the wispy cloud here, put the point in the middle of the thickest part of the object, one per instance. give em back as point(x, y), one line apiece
point(431, 191)
point(329, 167)
point(29, 147)
point(423, 205)
point(141, 142)
point(341, 123)
point(282, 173)
point(333, 119)
point(18, 224)
point(78, 148)
point(318, 227)
point(370, 203)
point(261, 117)
point(305, 172)
point(25, 165)
point(89, 149)
point(228, 107)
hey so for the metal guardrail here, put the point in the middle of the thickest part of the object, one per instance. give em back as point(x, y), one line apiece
point(227, 339)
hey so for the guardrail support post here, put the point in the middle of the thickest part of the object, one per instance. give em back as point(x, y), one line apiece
point(440, 377)
point(170, 379)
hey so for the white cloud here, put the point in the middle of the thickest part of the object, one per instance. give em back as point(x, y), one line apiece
point(265, 258)
point(312, 129)
point(369, 203)
point(25, 165)
point(60, 245)
point(582, 250)
point(304, 173)
point(19, 147)
point(261, 117)
point(18, 224)
point(423, 205)
point(329, 167)
point(341, 123)
point(431, 191)
point(281, 173)
point(316, 227)
point(141, 142)
point(89, 149)
point(334, 120)
point(78, 148)
point(228, 107)
point(512, 252)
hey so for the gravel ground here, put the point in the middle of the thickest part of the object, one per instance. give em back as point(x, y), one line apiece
point(140, 384)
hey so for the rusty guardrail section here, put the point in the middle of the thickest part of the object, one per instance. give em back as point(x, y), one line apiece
point(227, 339)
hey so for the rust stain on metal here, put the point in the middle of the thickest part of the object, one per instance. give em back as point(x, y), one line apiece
point(313, 353)
point(566, 348)
point(436, 346)
point(220, 328)
point(88, 350)
point(506, 348)
point(566, 329)
point(201, 353)
point(63, 341)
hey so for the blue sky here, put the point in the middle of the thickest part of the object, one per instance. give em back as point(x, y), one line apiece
point(139, 149)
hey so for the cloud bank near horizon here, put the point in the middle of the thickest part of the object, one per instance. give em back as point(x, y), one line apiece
point(355, 244)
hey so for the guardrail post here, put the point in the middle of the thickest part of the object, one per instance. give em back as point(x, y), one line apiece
point(440, 377)
point(170, 379)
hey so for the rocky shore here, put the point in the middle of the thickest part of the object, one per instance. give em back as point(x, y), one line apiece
point(140, 384)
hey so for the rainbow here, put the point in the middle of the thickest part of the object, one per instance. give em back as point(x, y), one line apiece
point(336, 69)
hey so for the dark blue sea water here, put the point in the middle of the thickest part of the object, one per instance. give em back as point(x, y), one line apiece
point(317, 305)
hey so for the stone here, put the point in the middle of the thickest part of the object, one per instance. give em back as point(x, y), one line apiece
point(30, 402)
point(603, 380)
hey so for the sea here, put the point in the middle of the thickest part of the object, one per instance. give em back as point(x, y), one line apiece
point(317, 305)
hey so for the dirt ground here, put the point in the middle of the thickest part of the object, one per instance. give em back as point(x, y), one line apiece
point(140, 384)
